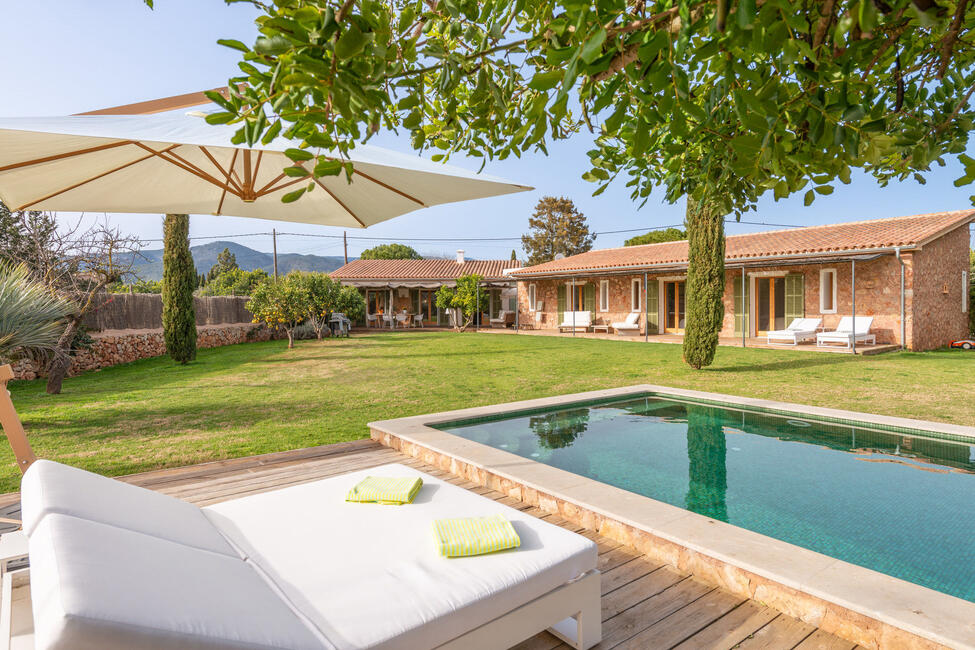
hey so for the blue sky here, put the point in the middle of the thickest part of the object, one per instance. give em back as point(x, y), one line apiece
point(63, 57)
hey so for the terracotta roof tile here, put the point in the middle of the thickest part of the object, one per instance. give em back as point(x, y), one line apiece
point(831, 239)
point(446, 269)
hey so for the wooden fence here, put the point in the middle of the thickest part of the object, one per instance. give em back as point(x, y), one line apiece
point(136, 311)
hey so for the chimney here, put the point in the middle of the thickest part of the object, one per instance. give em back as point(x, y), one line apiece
point(460, 255)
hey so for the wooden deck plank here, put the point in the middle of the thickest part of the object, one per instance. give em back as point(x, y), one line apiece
point(644, 604)
point(729, 630)
point(781, 632)
point(685, 622)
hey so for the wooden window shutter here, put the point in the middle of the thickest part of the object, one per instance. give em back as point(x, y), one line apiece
point(795, 299)
point(741, 306)
point(561, 303)
point(589, 301)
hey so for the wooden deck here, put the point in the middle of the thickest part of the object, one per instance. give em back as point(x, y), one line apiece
point(644, 604)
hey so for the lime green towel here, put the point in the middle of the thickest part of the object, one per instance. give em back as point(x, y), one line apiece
point(474, 536)
point(385, 490)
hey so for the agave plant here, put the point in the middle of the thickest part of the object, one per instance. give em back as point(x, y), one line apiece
point(31, 319)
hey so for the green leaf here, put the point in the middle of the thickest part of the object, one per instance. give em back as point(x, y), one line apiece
point(641, 137)
point(745, 13)
point(328, 168)
point(593, 47)
point(272, 46)
point(235, 45)
point(351, 42)
point(809, 197)
point(543, 81)
point(867, 15)
point(824, 189)
point(291, 197)
point(298, 155)
point(295, 172)
point(219, 118)
point(854, 113)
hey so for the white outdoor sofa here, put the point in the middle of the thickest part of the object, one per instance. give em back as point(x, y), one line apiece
point(844, 332)
point(629, 326)
point(799, 330)
point(116, 566)
point(504, 319)
point(576, 320)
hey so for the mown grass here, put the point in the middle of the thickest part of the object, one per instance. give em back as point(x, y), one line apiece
point(261, 397)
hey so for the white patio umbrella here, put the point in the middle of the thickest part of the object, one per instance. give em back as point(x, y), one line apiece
point(180, 164)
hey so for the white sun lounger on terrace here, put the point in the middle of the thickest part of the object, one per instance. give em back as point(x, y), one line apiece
point(116, 566)
point(576, 320)
point(844, 332)
point(630, 325)
point(800, 329)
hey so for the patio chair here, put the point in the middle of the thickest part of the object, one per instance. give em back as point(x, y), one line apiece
point(850, 328)
point(800, 329)
point(504, 319)
point(573, 321)
point(417, 320)
point(402, 319)
point(117, 566)
point(629, 326)
point(372, 318)
point(387, 320)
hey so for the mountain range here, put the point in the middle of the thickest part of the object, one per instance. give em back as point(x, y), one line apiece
point(150, 266)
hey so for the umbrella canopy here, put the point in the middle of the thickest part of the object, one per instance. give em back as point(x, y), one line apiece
point(180, 164)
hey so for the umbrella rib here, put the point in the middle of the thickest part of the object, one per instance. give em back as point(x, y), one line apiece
point(388, 187)
point(182, 164)
point(206, 152)
point(279, 187)
point(319, 183)
point(86, 181)
point(223, 194)
point(68, 154)
point(262, 192)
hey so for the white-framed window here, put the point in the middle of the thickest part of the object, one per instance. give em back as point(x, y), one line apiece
point(827, 291)
point(964, 292)
point(531, 297)
point(604, 295)
point(635, 301)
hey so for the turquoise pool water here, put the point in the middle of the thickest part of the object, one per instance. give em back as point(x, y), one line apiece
point(898, 504)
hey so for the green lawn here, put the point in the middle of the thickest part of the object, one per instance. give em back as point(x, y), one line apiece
point(260, 397)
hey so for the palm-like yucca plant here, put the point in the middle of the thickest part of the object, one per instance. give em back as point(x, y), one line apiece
point(31, 319)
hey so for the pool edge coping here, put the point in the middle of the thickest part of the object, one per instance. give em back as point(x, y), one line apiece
point(868, 593)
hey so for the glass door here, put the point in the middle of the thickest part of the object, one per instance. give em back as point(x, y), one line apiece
point(428, 305)
point(674, 307)
point(770, 308)
point(376, 301)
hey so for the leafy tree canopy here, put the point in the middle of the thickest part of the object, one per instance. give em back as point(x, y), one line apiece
point(657, 236)
point(233, 282)
point(556, 227)
point(722, 101)
point(226, 262)
point(465, 298)
point(281, 304)
point(390, 252)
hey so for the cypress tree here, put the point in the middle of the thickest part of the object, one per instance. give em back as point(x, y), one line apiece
point(705, 282)
point(179, 279)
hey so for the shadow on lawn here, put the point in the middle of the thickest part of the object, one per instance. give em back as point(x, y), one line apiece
point(794, 363)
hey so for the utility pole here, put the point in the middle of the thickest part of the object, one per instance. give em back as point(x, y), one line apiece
point(345, 245)
point(274, 243)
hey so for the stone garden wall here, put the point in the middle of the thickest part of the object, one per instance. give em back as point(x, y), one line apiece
point(112, 347)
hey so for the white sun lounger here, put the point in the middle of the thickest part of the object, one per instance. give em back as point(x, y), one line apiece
point(629, 326)
point(116, 566)
point(800, 329)
point(576, 320)
point(844, 332)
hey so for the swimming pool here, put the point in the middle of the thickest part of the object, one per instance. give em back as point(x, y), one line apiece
point(895, 503)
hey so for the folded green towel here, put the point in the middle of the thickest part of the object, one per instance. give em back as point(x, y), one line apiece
point(385, 490)
point(474, 536)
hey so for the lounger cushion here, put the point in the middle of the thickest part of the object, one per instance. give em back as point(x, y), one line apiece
point(369, 576)
point(96, 586)
point(49, 487)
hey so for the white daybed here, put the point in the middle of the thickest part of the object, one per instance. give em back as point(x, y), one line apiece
point(844, 332)
point(115, 566)
point(576, 320)
point(799, 330)
point(629, 326)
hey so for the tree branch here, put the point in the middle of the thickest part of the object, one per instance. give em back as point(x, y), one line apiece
point(948, 43)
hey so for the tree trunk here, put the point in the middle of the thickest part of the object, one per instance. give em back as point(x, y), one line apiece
point(704, 309)
point(179, 279)
point(61, 361)
point(291, 338)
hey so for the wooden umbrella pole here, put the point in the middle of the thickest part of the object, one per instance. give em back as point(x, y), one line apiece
point(12, 426)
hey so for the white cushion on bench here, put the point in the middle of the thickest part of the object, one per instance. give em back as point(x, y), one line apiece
point(49, 487)
point(99, 587)
point(369, 576)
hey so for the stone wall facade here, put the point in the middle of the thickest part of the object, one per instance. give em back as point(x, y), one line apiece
point(114, 347)
point(932, 314)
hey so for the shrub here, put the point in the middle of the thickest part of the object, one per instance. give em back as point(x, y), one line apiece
point(234, 282)
point(465, 297)
point(179, 280)
point(281, 304)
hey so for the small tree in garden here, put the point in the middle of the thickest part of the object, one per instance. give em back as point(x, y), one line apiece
point(351, 303)
point(31, 318)
point(179, 281)
point(282, 304)
point(323, 294)
point(235, 282)
point(464, 298)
